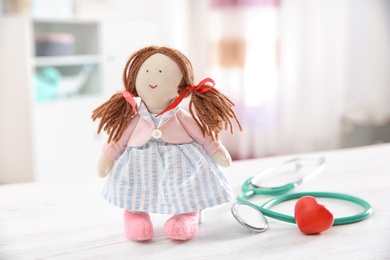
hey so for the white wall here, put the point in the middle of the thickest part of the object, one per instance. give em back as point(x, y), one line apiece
point(172, 16)
point(15, 126)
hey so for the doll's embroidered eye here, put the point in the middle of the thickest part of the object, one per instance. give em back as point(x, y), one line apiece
point(160, 71)
point(147, 70)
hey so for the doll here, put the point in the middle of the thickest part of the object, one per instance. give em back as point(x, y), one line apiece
point(160, 158)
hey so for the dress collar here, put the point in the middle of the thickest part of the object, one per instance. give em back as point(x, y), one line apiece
point(145, 114)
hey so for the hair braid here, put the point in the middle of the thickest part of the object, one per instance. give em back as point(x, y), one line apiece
point(213, 112)
point(115, 114)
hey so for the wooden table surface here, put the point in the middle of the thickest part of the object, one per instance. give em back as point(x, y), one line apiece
point(70, 220)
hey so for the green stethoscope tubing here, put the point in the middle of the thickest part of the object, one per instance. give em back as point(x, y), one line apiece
point(265, 208)
point(268, 191)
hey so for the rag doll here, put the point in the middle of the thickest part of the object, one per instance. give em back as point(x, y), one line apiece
point(159, 158)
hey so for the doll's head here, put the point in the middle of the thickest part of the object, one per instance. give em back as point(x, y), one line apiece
point(157, 82)
point(157, 76)
point(141, 61)
point(163, 76)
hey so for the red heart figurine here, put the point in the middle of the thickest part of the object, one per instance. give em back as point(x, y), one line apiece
point(311, 217)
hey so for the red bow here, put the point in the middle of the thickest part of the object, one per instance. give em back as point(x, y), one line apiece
point(198, 88)
point(130, 98)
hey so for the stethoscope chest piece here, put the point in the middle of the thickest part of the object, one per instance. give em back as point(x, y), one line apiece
point(249, 217)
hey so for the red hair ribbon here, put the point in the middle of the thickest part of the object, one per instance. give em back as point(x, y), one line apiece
point(198, 88)
point(130, 99)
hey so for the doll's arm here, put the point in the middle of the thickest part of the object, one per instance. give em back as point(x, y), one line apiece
point(222, 157)
point(104, 166)
point(112, 150)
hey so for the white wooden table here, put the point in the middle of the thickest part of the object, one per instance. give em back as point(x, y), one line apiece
point(70, 220)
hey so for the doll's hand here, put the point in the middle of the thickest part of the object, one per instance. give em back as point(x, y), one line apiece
point(104, 166)
point(222, 157)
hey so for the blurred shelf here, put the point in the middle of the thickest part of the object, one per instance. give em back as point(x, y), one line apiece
point(65, 60)
point(70, 20)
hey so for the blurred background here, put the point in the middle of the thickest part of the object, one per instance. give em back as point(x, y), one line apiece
point(305, 75)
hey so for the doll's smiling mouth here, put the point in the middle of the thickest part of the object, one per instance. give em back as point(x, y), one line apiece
point(153, 87)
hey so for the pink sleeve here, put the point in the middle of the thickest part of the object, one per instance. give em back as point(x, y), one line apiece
point(113, 150)
point(195, 132)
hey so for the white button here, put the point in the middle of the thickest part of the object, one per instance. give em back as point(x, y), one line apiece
point(156, 133)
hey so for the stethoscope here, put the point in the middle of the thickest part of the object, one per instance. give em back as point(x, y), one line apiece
point(252, 216)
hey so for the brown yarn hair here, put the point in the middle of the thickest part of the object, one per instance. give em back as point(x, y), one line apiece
point(211, 109)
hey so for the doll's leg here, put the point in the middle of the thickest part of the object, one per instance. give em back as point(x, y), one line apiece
point(138, 226)
point(182, 226)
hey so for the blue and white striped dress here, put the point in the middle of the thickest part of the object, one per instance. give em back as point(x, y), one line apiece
point(159, 177)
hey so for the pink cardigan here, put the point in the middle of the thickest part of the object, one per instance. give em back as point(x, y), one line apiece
point(180, 128)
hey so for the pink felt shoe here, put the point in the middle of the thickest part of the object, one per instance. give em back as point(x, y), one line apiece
point(138, 226)
point(182, 226)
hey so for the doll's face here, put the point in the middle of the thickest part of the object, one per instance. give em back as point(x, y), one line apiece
point(157, 82)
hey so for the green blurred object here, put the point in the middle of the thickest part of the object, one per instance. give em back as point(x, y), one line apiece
point(47, 81)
